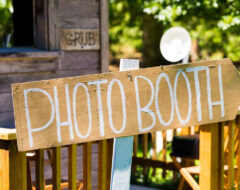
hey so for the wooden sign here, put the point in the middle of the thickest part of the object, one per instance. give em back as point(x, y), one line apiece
point(79, 39)
point(87, 108)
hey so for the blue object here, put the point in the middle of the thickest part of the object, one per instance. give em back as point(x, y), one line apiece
point(121, 163)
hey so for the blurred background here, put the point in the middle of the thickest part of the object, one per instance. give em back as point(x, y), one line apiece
point(136, 27)
point(135, 30)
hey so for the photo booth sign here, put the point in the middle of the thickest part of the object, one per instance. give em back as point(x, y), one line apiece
point(86, 108)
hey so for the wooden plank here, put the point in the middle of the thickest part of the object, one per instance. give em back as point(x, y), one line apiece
point(53, 24)
point(79, 9)
point(221, 156)
point(79, 39)
point(72, 166)
point(40, 180)
point(37, 65)
point(154, 146)
point(79, 22)
point(17, 167)
point(209, 157)
point(4, 166)
point(109, 162)
point(6, 104)
point(56, 168)
point(230, 156)
point(101, 102)
point(87, 164)
point(84, 60)
point(102, 165)
point(22, 58)
point(104, 35)
point(191, 181)
point(238, 153)
point(145, 150)
point(7, 79)
point(164, 151)
point(41, 19)
point(29, 177)
point(27, 54)
point(7, 134)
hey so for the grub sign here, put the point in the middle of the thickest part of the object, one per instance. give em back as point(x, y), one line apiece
point(79, 39)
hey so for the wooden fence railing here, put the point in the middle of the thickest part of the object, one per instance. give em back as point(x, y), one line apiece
point(16, 168)
point(219, 154)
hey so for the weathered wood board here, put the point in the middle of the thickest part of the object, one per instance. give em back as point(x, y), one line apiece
point(79, 39)
point(87, 108)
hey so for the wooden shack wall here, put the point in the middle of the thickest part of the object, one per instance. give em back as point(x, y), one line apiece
point(20, 65)
point(73, 14)
point(50, 17)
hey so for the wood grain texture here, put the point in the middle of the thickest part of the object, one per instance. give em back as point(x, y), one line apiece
point(40, 179)
point(209, 160)
point(129, 80)
point(77, 22)
point(36, 65)
point(238, 152)
point(230, 155)
point(79, 39)
point(71, 17)
point(41, 24)
point(84, 60)
point(145, 150)
point(6, 102)
point(31, 54)
point(122, 147)
point(7, 134)
point(87, 166)
point(79, 9)
point(56, 168)
point(104, 36)
point(72, 167)
point(4, 166)
point(221, 156)
point(53, 24)
point(109, 162)
point(102, 165)
point(17, 167)
point(7, 79)
point(188, 177)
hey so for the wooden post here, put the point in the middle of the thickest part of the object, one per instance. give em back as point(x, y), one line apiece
point(56, 168)
point(72, 166)
point(40, 181)
point(102, 165)
point(230, 156)
point(87, 165)
point(211, 157)
point(13, 166)
point(104, 36)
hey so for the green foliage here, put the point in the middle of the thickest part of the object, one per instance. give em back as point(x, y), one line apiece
point(214, 23)
point(125, 31)
point(6, 24)
point(154, 178)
